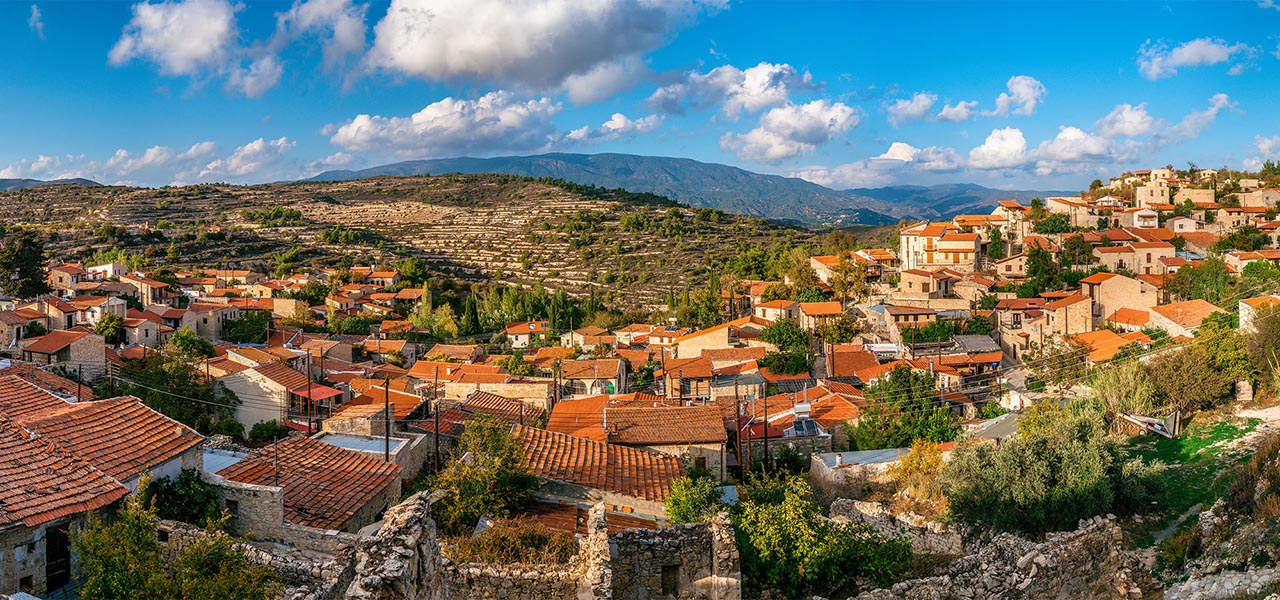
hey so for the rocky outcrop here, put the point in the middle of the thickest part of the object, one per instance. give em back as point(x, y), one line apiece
point(1090, 562)
point(926, 536)
point(402, 561)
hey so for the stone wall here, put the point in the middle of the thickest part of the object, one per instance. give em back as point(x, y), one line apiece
point(698, 560)
point(926, 536)
point(259, 513)
point(402, 561)
point(304, 575)
point(1090, 562)
point(806, 446)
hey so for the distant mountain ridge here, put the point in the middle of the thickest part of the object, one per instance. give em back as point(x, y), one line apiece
point(22, 184)
point(723, 187)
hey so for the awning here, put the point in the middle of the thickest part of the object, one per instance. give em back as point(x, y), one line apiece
point(316, 391)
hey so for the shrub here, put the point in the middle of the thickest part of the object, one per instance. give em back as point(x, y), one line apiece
point(510, 541)
point(495, 481)
point(265, 432)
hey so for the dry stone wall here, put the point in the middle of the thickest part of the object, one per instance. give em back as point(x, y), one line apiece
point(694, 561)
point(1090, 562)
point(402, 561)
point(925, 536)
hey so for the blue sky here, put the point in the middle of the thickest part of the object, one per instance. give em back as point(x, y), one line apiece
point(1028, 94)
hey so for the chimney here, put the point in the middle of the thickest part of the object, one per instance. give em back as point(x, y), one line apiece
point(839, 459)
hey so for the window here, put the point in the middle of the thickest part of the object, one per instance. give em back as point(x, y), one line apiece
point(233, 507)
point(700, 463)
point(670, 580)
point(162, 536)
point(26, 585)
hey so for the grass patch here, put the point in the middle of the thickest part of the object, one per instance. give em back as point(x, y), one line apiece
point(1197, 461)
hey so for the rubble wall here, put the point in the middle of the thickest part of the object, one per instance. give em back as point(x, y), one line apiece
point(698, 560)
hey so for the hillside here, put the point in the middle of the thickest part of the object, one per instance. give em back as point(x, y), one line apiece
point(22, 184)
point(722, 187)
point(466, 226)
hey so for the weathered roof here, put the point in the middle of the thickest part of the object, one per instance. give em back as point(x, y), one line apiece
point(1186, 314)
point(324, 485)
point(664, 425)
point(609, 467)
point(54, 341)
point(282, 374)
point(48, 381)
point(40, 482)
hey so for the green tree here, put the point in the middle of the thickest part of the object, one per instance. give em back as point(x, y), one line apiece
point(111, 328)
point(22, 263)
point(1042, 271)
point(495, 481)
point(979, 325)
point(1054, 223)
point(252, 328)
point(1209, 280)
point(787, 544)
point(517, 365)
point(189, 345)
point(995, 248)
point(470, 324)
point(189, 498)
point(1049, 477)
point(1077, 251)
point(840, 330)
point(904, 406)
point(786, 334)
point(849, 279)
point(692, 499)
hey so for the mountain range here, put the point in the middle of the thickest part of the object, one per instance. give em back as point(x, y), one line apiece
point(22, 184)
point(724, 187)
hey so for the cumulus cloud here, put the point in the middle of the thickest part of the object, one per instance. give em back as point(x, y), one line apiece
point(1196, 121)
point(183, 37)
point(605, 80)
point(1025, 93)
point(789, 131)
point(41, 167)
point(538, 43)
point(1157, 60)
point(1071, 151)
point(1003, 149)
point(337, 160)
point(259, 77)
point(249, 159)
point(617, 127)
point(915, 107)
point(960, 111)
point(734, 90)
point(339, 23)
point(1125, 120)
point(35, 22)
point(495, 122)
point(900, 159)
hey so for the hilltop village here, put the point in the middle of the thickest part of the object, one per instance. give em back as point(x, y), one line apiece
point(1090, 374)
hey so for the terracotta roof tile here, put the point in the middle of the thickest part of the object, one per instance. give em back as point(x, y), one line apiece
point(323, 485)
point(665, 425)
point(54, 341)
point(22, 401)
point(49, 381)
point(609, 467)
point(40, 482)
point(402, 404)
point(281, 373)
point(1186, 314)
point(501, 407)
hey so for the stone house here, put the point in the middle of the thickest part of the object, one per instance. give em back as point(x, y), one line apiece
point(1070, 315)
point(273, 391)
point(924, 285)
point(938, 246)
point(816, 314)
point(1182, 318)
point(1110, 292)
point(685, 378)
point(321, 485)
point(591, 377)
point(64, 277)
point(79, 350)
point(777, 310)
point(1196, 196)
point(1012, 267)
point(91, 309)
point(150, 291)
point(695, 434)
point(587, 338)
point(61, 314)
point(523, 334)
point(1250, 309)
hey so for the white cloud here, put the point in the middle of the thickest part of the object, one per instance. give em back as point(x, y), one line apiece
point(915, 107)
point(538, 43)
point(1268, 4)
point(900, 159)
point(35, 22)
point(900, 151)
point(261, 75)
point(734, 90)
point(605, 80)
point(494, 122)
point(789, 131)
point(337, 160)
point(960, 111)
point(41, 167)
point(123, 163)
point(1125, 120)
point(198, 150)
point(617, 127)
point(932, 158)
point(340, 22)
point(851, 175)
point(183, 37)
point(249, 159)
point(1196, 121)
point(1071, 151)
point(1025, 93)
point(1004, 148)
point(1156, 60)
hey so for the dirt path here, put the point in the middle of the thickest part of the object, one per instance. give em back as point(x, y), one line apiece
point(1269, 423)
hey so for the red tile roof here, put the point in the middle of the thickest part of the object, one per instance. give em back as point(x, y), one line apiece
point(49, 381)
point(323, 485)
point(22, 401)
point(501, 407)
point(609, 467)
point(375, 399)
point(122, 437)
point(54, 341)
point(665, 425)
point(40, 482)
point(282, 374)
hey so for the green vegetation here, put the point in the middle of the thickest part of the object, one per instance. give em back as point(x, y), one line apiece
point(22, 263)
point(188, 499)
point(171, 383)
point(495, 482)
point(266, 432)
point(123, 560)
point(693, 499)
point(111, 328)
point(787, 545)
point(276, 216)
point(513, 541)
point(1054, 223)
point(903, 407)
point(252, 328)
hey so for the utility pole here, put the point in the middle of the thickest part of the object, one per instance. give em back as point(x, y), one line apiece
point(310, 397)
point(766, 431)
point(386, 397)
point(435, 410)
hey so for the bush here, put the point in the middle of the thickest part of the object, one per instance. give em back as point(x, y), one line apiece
point(266, 432)
point(511, 541)
point(1062, 468)
point(692, 499)
point(188, 498)
point(229, 427)
point(495, 481)
point(787, 544)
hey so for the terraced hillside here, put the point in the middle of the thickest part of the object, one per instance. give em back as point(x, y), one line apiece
point(467, 226)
